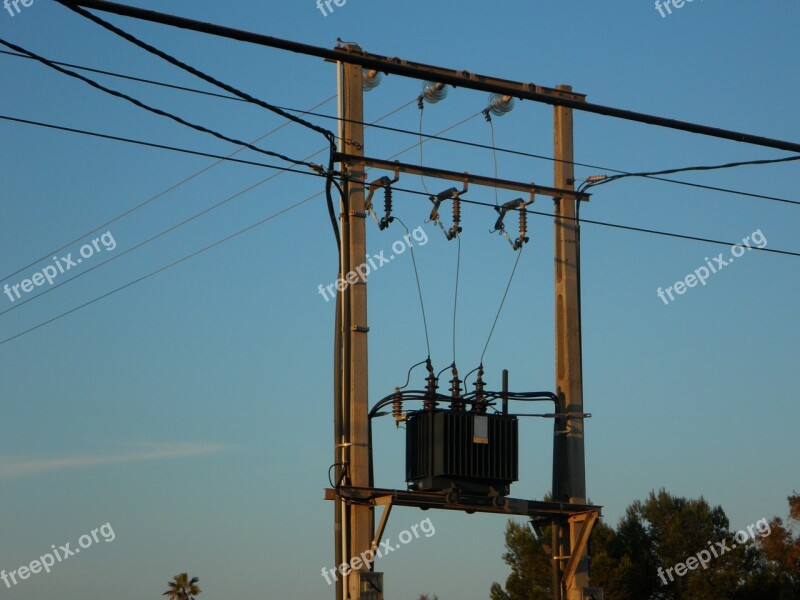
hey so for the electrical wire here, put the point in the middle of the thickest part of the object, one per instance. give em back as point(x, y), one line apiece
point(730, 165)
point(455, 295)
point(408, 377)
point(433, 137)
point(441, 138)
point(329, 135)
point(421, 159)
point(419, 289)
point(281, 170)
point(131, 78)
point(151, 198)
point(419, 133)
point(494, 155)
point(150, 239)
point(154, 110)
point(613, 225)
point(500, 309)
point(161, 269)
point(399, 189)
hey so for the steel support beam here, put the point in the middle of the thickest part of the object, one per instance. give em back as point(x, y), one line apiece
point(480, 180)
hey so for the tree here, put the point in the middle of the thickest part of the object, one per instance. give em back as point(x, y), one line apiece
point(530, 567)
point(780, 567)
point(638, 560)
point(182, 588)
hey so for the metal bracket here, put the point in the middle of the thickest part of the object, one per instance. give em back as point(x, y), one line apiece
point(581, 542)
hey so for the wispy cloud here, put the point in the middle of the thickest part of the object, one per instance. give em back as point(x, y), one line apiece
point(18, 467)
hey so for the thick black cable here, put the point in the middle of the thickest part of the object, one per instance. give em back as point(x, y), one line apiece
point(161, 146)
point(329, 135)
point(152, 109)
point(730, 165)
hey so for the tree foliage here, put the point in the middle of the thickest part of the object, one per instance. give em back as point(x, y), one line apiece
point(183, 588)
point(631, 561)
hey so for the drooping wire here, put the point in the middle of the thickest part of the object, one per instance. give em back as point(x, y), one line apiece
point(502, 302)
point(455, 295)
point(731, 165)
point(419, 290)
point(163, 192)
point(489, 120)
point(329, 135)
point(161, 269)
point(149, 240)
point(430, 137)
point(219, 158)
point(617, 225)
point(408, 377)
point(154, 110)
point(415, 133)
point(450, 140)
point(421, 105)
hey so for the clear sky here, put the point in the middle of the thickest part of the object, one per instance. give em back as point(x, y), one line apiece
point(193, 411)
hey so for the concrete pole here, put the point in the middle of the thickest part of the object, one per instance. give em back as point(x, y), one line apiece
point(358, 524)
point(569, 378)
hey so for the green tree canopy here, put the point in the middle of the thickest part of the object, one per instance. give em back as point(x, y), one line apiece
point(183, 588)
point(668, 548)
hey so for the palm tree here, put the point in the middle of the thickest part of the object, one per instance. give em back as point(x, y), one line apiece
point(183, 588)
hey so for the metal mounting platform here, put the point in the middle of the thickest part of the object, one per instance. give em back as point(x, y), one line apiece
point(460, 502)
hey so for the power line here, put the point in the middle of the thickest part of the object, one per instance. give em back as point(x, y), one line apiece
point(730, 165)
point(159, 146)
point(130, 78)
point(587, 165)
point(196, 72)
point(154, 110)
point(174, 227)
point(415, 192)
point(457, 78)
point(152, 198)
point(607, 224)
point(434, 136)
point(152, 238)
point(164, 268)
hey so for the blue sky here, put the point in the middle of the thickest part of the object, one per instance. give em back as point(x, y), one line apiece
point(193, 411)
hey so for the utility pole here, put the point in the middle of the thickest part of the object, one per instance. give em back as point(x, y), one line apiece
point(353, 523)
point(571, 475)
